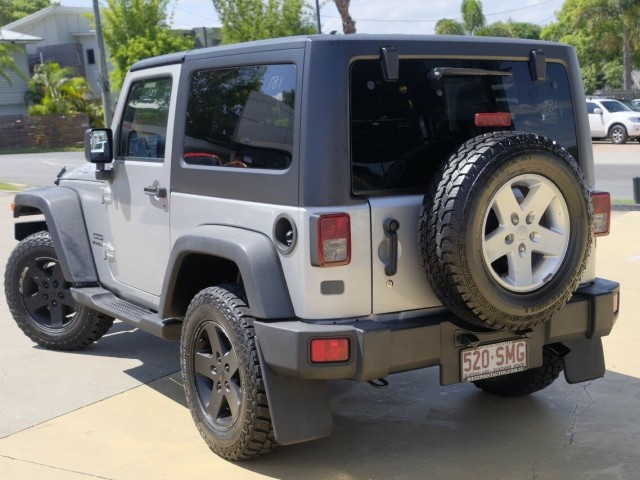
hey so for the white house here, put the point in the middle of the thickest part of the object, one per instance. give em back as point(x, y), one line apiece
point(12, 91)
point(66, 35)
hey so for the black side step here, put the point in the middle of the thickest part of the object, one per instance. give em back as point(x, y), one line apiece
point(106, 302)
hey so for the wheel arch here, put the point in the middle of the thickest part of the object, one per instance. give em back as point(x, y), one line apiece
point(64, 219)
point(216, 254)
point(614, 124)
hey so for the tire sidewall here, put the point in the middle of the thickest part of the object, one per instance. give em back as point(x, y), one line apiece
point(536, 305)
point(30, 250)
point(198, 317)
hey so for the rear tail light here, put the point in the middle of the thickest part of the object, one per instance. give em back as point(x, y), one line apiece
point(329, 350)
point(601, 202)
point(333, 234)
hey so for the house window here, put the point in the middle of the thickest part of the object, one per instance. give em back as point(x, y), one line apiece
point(91, 56)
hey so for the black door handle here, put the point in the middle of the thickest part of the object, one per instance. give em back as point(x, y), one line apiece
point(391, 227)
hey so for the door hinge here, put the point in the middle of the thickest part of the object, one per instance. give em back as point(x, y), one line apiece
point(106, 195)
point(109, 251)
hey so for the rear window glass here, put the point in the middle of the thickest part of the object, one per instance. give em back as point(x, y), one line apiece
point(402, 131)
point(241, 117)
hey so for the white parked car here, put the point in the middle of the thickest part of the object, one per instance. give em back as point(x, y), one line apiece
point(612, 119)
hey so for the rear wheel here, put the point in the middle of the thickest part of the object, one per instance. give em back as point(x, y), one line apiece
point(40, 299)
point(618, 134)
point(524, 383)
point(222, 377)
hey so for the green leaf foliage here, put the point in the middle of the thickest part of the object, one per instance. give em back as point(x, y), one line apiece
point(138, 29)
point(246, 20)
point(54, 90)
point(598, 29)
point(12, 10)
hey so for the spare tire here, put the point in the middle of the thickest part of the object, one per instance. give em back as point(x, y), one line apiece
point(505, 230)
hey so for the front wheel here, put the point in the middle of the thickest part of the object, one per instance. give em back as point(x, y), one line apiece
point(40, 300)
point(618, 134)
point(222, 377)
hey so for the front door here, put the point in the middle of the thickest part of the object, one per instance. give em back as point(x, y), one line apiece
point(137, 241)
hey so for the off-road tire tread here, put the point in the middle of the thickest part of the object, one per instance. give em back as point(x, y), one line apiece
point(257, 432)
point(441, 217)
point(527, 382)
point(94, 324)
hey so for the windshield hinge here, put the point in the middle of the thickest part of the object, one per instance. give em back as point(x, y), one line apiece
point(106, 195)
point(390, 63)
point(538, 64)
point(109, 251)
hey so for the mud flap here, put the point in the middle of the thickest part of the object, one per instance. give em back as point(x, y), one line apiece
point(585, 361)
point(299, 408)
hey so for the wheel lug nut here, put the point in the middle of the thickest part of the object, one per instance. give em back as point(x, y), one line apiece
point(61, 295)
point(522, 250)
point(45, 296)
point(227, 368)
point(508, 240)
point(514, 219)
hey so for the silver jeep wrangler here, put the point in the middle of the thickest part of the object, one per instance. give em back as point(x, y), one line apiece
point(306, 209)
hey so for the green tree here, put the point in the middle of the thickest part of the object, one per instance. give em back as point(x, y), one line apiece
point(510, 29)
point(472, 15)
point(625, 14)
point(12, 10)
point(245, 20)
point(54, 90)
point(8, 63)
point(137, 29)
point(472, 20)
point(474, 23)
point(606, 36)
point(447, 26)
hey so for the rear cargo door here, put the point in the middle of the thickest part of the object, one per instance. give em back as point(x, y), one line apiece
point(399, 281)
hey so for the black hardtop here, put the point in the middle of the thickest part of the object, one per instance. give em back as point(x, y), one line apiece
point(364, 44)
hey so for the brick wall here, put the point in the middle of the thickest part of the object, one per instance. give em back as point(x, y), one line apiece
point(44, 131)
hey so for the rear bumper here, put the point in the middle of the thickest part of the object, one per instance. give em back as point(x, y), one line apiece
point(379, 348)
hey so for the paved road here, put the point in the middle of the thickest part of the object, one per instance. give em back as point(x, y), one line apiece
point(615, 166)
point(116, 411)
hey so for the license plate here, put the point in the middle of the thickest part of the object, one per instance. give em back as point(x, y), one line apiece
point(492, 360)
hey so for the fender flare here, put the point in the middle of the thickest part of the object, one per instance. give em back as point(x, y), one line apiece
point(62, 209)
point(256, 257)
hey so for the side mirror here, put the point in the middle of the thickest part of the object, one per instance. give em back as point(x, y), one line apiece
point(597, 111)
point(98, 145)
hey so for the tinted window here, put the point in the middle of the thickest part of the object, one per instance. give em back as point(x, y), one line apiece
point(241, 117)
point(615, 106)
point(144, 126)
point(401, 131)
point(591, 107)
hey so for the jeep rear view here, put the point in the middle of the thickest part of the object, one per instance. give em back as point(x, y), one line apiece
point(301, 210)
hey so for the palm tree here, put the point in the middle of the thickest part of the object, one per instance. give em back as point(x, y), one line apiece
point(348, 24)
point(473, 19)
point(54, 89)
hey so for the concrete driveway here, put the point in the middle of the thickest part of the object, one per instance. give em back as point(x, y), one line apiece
point(116, 411)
